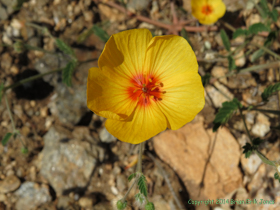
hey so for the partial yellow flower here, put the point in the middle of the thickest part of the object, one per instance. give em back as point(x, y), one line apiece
point(208, 11)
point(145, 84)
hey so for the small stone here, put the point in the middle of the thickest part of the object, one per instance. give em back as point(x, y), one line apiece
point(262, 126)
point(217, 97)
point(106, 137)
point(87, 202)
point(114, 190)
point(251, 165)
point(9, 184)
point(66, 163)
point(3, 197)
point(30, 195)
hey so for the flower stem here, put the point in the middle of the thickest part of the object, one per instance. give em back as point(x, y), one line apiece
point(138, 170)
point(140, 154)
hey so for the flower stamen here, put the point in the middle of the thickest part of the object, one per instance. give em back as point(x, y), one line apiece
point(149, 88)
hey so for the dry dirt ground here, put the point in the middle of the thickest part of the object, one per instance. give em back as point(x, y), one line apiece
point(73, 163)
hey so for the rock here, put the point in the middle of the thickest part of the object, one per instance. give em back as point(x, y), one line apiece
point(50, 62)
point(262, 125)
point(187, 150)
point(69, 104)
point(9, 184)
point(257, 180)
point(64, 202)
point(66, 163)
point(137, 5)
point(219, 71)
point(31, 195)
point(218, 96)
point(87, 202)
point(3, 13)
point(250, 165)
point(106, 137)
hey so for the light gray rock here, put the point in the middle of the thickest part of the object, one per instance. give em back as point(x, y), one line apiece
point(69, 104)
point(30, 195)
point(67, 163)
point(9, 184)
point(106, 137)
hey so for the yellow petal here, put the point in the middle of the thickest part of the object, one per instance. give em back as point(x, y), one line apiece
point(124, 54)
point(107, 98)
point(173, 62)
point(146, 123)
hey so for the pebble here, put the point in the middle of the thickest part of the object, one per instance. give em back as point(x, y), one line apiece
point(30, 195)
point(86, 202)
point(9, 184)
point(106, 137)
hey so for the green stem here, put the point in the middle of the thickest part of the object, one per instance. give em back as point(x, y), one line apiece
point(29, 79)
point(140, 154)
point(138, 170)
point(267, 50)
point(247, 130)
point(10, 113)
point(275, 64)
point(129, 189)
point(277, 112)
point(264, 158)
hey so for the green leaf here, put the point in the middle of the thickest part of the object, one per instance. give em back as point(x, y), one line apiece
point(248, 149)
point(239, 32)
point(264, 6)
point(67, 72)
point(270, 38)
point(121, 205)
point(225, 40)
point(257, 27)
point(24, 150)
point(142, 185)
point(6, 138)
point(84, 35)
point(98, 31)
point(225, 113)
point(149, 206)
point(270, 90)
point(131, 177)
point(19, 4)
point(206, 79)
point(231, 63)
point(257, 54)
point(140, 198)
point(64, 47)
point(1, 91)
point(274, 15)
point(276, 176)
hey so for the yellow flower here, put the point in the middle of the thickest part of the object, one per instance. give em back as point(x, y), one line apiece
point(145, 84)
point(208, 11)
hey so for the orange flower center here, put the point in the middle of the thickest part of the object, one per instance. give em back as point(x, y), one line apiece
point(207, 9)
point(144, 89)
